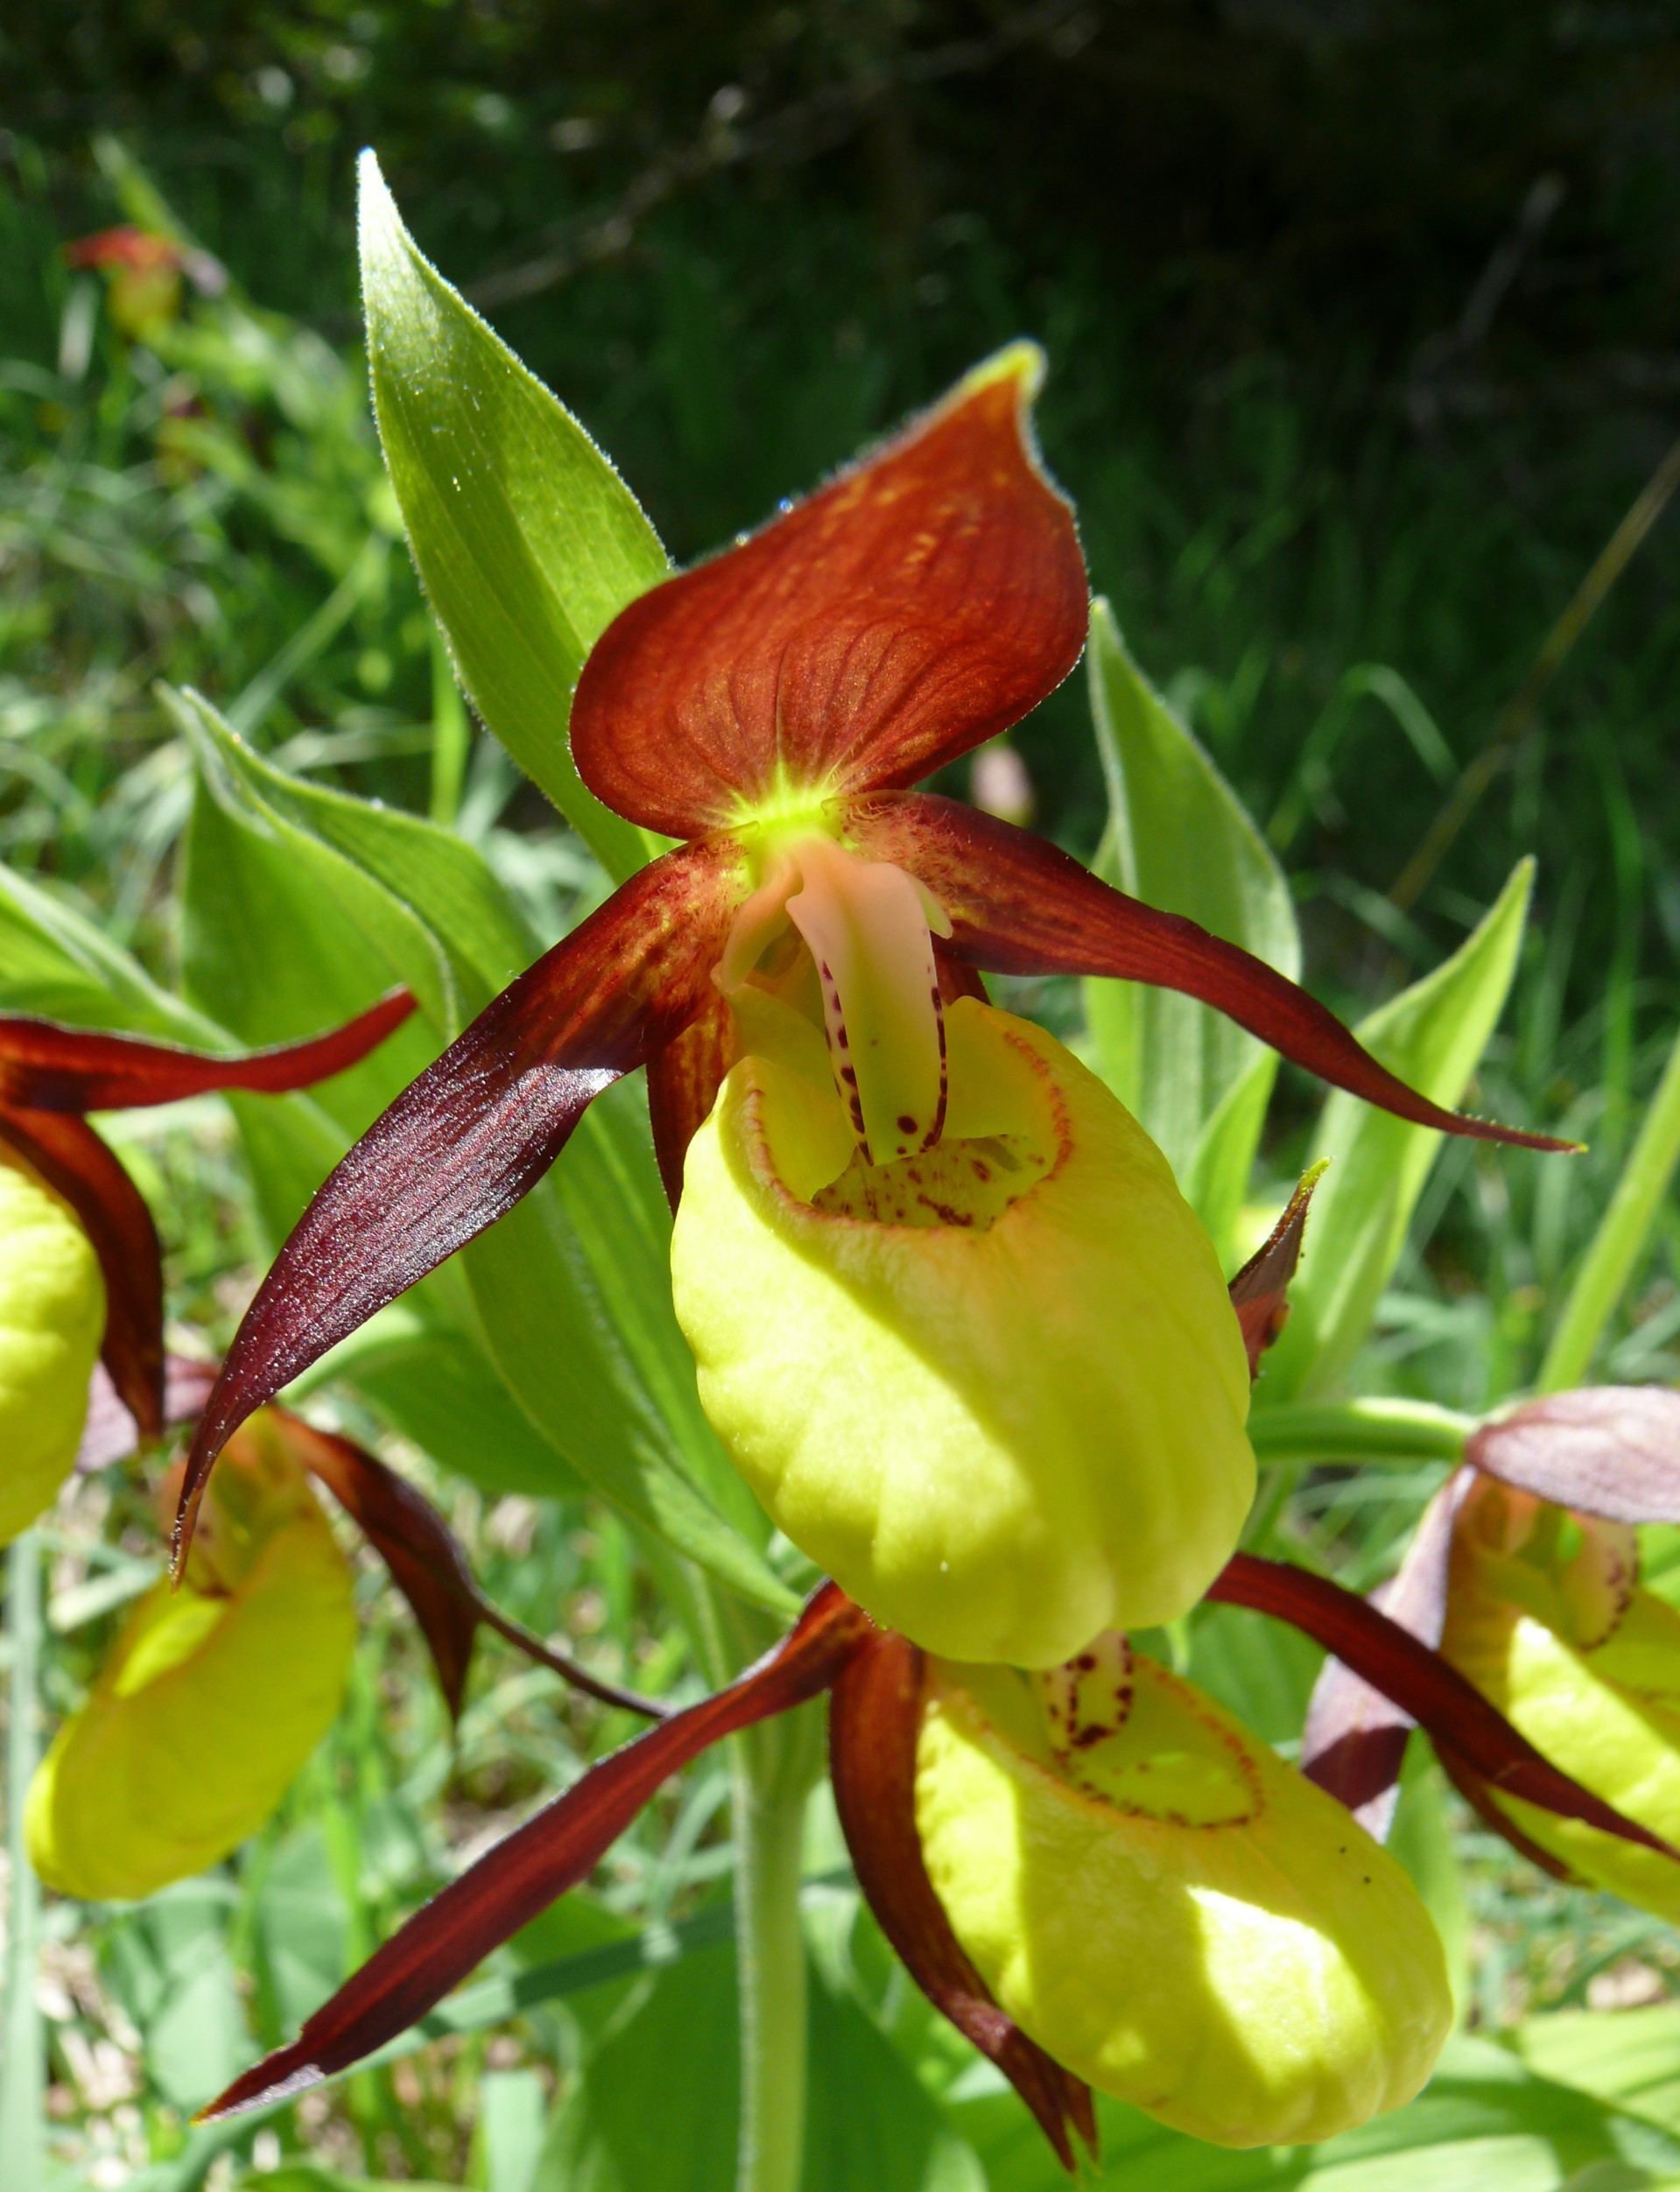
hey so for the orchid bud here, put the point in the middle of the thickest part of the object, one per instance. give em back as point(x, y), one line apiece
point(52, 1318)
point(1168, 1909)
point(215, 1695)
point(1546, 1617)
point(994, 1388)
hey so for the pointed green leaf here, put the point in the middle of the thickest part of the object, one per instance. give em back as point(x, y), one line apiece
point(54, 961)
point(527, 541)
point(1433, 1034)
point(1615, 1249)
point(572, 1289)
point(1485, 2123)
point(1179, 839)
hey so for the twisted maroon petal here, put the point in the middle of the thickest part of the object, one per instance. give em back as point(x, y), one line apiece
point(1018, 906)
point(456, 1931)
point(874, 1722)
point(51, 1068)
point(1612, 1451)
point(429, 1567)
point(918, 604)
point(76, 1164)
point(1456, 1716)
point(1355, 1741)
point(478, 1128)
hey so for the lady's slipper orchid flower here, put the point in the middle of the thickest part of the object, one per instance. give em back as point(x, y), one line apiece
point(1095, 1873)
point(1069, 1921)
point(213, 1698)
point(1524, 1571)
point(944, 1182)
point(81, 1269)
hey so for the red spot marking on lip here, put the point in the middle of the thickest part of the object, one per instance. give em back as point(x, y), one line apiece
point(906, 1124)
point(1087, 1736)
point(849, 1074)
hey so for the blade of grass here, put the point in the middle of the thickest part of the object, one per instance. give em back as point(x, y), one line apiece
point(311, 637)
point(1515, 718)
point(452, 734)
point(1620, 1239)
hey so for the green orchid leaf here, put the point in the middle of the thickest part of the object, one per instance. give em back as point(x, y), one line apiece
point(1486, 2123)
point(868, 2120)
point(303, 902)
point(282, 934)
point(1423, 1839)
point(1179, 838)
point(54, 962)
point(1630, 2060)
point(527, 541)
point(422, 1367)
point(1433, 1034)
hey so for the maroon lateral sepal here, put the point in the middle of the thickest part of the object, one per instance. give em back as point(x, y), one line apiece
point(458, 1929)
point(111, 1211)
point(1355, 1741)
point(1449, 1709)
point(873, 1721)
point(1019, 906)
point(477, 1129)
point(429, 1568)
point(47, 1067)
point(1260, 1291)
point(1612, 1451)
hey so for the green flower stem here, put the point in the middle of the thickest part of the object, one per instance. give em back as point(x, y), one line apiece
point(1372, 1430)
point(23, 2071)
point(1620, 1239)
point(770, 1958)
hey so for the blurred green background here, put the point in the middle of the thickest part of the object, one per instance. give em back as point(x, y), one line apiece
point(1364, 320)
